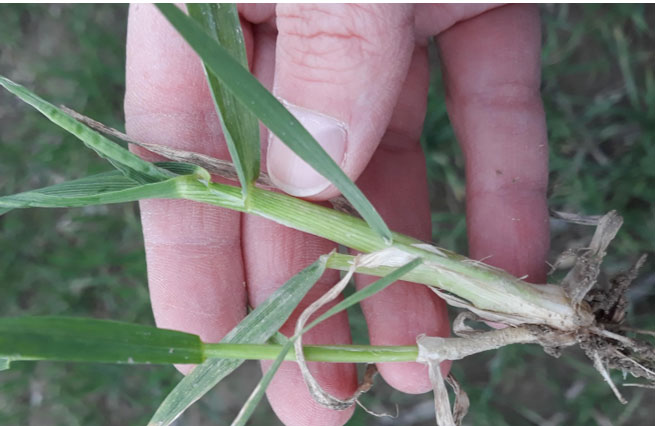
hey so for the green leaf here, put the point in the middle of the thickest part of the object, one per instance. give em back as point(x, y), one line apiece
point(257, 327)
point(240, 126)
point(366, 292)
point(278, 339)
point(5, 364)
point(104, 188)
point(271, 112)
point(131, 165)
point(249, 407)
point(253, 400)
point(92, 340)
point(184, 169)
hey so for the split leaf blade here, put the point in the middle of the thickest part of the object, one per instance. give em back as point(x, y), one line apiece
point(240, 126)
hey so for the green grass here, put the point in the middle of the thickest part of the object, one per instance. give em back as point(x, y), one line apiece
point(599, 94)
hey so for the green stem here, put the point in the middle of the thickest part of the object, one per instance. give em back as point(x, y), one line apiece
point(484, 287)
point(330, 353)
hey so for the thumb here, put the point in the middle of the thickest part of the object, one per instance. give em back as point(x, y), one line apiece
point(339, 69)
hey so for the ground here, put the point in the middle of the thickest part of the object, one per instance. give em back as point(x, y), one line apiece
point(599, 94)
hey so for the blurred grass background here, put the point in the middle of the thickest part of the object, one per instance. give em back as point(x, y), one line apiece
point(599, 94)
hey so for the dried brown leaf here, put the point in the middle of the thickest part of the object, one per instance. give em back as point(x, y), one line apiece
point(462, 402)
point(575, 218)
point(318, 393)
point(460, 328)
point(582, 277)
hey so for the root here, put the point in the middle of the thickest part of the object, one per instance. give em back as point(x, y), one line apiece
point(604, 341)
point(600, 367)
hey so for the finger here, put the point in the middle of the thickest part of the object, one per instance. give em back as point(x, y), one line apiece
point(195, 270)
point(396, 182)
point(257, 13)
point(339, 68)
point(431, 19)
point(263, 66)
point(273, 254)
point(492, 74)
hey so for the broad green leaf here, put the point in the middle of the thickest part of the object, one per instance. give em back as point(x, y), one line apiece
point(257, 327)
point(253, 400)
point(271, 112)
point(240, 126)
point(92, 340)
point(131, 165)
point(249, 407)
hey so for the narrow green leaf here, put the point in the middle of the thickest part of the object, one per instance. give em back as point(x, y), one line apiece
point(255, 397)
point(253, 400)
point(257, 327)
point(92, 340)
point(184, 169)
point(131, 165)
point(278, 339)
point(271, 112)
point(367, 291)
point(240, 126)
point(104, 188)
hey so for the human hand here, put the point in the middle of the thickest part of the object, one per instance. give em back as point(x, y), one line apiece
point(363, 71)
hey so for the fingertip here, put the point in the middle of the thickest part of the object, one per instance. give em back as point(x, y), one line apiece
point(396, 316)
point(292, 174)
point(257, 13)
point(329, 61)
point(410, 377)
point(407, 377)
point(294, 405)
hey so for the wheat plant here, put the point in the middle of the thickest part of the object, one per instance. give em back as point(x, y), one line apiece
point(574, 312)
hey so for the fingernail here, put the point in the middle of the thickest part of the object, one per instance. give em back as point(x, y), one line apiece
point(292, 174)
